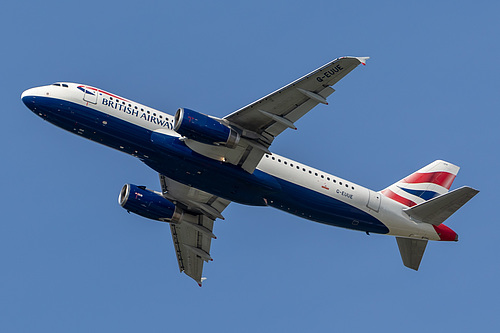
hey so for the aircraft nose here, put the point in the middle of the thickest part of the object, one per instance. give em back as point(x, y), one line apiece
point(27, 96)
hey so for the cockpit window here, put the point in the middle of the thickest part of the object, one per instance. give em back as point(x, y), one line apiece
point(57, 84)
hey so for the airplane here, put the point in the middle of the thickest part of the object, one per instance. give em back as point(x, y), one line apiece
point(205, 162)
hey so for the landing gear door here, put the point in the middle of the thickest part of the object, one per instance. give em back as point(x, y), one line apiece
point(374, 200)
point(90, 95)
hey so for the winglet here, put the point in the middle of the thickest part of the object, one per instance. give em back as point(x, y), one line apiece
point(362, 59)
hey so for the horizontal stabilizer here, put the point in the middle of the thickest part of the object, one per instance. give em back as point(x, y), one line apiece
point(412, 251)
point(437, 210)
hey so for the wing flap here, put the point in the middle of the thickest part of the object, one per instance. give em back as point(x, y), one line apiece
point(261, 121)
point(193, 199)
point(192, 246)
point(297, 112)
point(312, 89)
point(192, 236)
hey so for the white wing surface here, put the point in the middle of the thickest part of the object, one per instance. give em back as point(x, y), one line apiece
point(193, 235)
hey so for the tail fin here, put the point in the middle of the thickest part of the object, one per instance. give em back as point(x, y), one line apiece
point(431, 181)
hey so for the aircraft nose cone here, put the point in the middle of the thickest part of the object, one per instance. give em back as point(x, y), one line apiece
point(29, 97)
point(26, 96)
point(27, 93)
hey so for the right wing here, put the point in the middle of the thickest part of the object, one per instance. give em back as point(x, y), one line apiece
point(193, 235)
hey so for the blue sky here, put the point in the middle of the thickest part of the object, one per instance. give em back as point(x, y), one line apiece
point(74, 261)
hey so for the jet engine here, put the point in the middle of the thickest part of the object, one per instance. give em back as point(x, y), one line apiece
point(202, 128)
point(146, 203)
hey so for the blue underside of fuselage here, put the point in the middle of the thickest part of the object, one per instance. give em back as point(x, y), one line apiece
point(171, 157)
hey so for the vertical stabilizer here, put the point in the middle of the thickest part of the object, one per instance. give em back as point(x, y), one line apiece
point(431, 181)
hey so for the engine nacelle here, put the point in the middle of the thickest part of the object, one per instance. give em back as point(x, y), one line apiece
point(146, 203)
point(202, 128)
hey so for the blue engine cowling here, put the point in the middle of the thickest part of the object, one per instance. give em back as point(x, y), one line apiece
point(202, 128)
point(146, 203)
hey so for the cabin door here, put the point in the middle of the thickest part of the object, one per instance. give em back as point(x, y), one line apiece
point(90, 95)
point(374, 200)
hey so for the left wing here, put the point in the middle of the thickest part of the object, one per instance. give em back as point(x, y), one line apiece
point(193, 235)
point(261, 121)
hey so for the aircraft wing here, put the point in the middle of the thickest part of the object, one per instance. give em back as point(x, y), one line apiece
point(193, 235)
point(272, 114)
point(261, 121)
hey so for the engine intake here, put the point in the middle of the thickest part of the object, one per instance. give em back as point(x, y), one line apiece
point(202, 128)
point(146, 203)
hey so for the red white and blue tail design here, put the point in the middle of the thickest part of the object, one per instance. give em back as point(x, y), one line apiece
point(431, 181)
